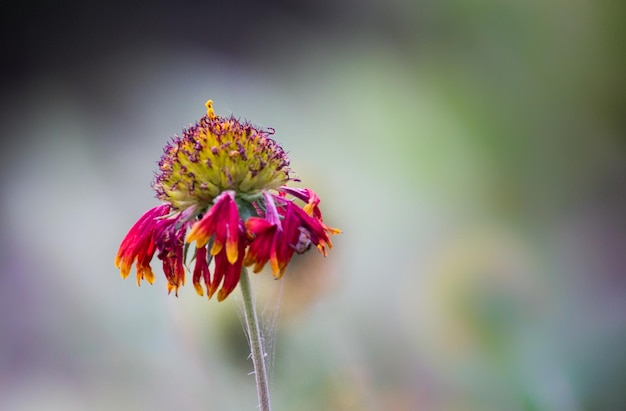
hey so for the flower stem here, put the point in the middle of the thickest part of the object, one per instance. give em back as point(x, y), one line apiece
point(256, 343)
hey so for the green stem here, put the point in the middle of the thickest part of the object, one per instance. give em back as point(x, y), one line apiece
point(256, 343)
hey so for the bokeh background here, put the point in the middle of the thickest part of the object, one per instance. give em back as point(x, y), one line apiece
point(473, 153)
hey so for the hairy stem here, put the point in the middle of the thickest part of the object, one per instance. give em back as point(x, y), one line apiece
point(256, 343)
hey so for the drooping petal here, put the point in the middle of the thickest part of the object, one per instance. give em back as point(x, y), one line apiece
point(227, 272)
point(139, 245)
point(283, 250)
point(232, 224)
point(313, 225)
point(201, 271)
point(262, 245)
point(300, 229)
point(202, 230)
point(169, 238)
point(216, 222)
point(308, 196)
point(311, 208)
point(271, 213)
point(301, 193)
point(231, 277)
point(144, 271)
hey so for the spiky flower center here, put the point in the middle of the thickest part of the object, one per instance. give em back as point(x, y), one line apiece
point(219, 154)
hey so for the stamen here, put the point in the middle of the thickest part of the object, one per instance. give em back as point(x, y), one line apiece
point(209, 109)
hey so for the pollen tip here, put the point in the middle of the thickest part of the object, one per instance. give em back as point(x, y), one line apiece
point(309, 209)
point(216, 247)
point(322, 249)
point(258, 267)
point(232, 253)
point(211, 290)
point(275, 265)
point(199, 289)
point(332, 230)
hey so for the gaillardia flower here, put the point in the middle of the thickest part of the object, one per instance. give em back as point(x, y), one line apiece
point(223, 186)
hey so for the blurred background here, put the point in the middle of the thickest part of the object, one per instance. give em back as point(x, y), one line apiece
point(473, 154)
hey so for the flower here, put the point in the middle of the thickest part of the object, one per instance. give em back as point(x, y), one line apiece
point(223, 186)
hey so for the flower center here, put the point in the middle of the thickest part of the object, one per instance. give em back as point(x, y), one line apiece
point(219, 154)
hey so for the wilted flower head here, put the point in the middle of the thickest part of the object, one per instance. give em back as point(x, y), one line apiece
point(222, 185)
